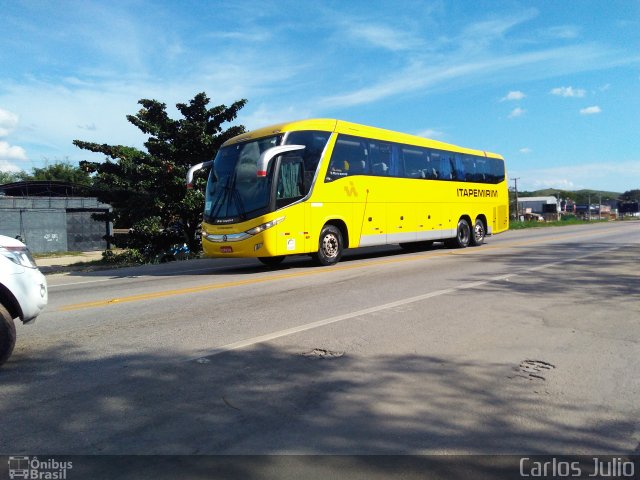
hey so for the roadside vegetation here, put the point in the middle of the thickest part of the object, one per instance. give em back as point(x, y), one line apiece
point(54, 254)
point(566, 221)
point(147, 189)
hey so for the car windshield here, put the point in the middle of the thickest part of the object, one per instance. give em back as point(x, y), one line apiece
point(234, 191)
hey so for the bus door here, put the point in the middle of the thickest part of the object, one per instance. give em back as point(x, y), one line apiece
point(292, 234)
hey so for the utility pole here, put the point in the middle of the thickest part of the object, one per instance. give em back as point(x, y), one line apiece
point(515, 180)
point(600, 207)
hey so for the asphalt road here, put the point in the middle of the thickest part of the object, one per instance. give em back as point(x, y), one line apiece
point(527, 344)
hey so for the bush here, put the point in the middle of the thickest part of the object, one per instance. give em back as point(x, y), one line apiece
point(150, 241)
point(127, 257)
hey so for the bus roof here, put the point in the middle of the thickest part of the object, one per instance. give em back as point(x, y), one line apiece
point(348, 128)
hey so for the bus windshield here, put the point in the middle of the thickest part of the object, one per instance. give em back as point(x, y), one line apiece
point(234, 191)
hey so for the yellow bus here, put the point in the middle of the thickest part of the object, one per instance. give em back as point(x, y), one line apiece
point(319, 186)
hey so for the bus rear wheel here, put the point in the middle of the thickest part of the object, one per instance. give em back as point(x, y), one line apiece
point(463, 235)
point(330, 246)
point(478, 234)
point(271, 261)
point(7, 334)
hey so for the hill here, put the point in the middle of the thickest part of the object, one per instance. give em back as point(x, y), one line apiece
point(578, 196)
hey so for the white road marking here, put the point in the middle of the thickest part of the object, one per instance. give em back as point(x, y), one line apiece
point(347, 316)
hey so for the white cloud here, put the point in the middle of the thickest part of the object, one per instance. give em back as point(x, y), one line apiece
point(8, 122)
point(568, 92)
point(429, 133)
point(484, 32)
point(383, 36)
point(590, 110)
point(94, 110)
point(564, 32)
point(517, 112)
point(264, 115)
point(560, 183)
point(525, 150)
point(463, 69)
point(11, 153)
point(614, 176)
point(6, 166)
point(514, 95)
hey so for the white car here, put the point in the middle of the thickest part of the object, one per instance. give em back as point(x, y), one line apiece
point(23, 291)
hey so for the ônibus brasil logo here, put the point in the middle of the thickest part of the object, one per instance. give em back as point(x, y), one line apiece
point(33, 468)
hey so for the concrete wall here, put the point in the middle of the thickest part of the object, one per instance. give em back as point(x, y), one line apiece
point(54, 224)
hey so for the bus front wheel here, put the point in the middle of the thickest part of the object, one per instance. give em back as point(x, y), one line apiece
point(463, 235)
point(330, 246)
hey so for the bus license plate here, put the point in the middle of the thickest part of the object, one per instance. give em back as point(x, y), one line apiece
point(226, 249)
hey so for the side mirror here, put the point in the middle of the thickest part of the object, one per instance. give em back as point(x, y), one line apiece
point(269, 154)
point(194, 169)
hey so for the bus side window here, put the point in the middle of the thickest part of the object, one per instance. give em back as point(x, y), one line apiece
point(497, 170)
point(470, 168)
point(415, 161)
point(459, 173)
point(380, 158)
point(433, 168)
point(314, 142)
point(482, 170)
point(447, 167)
point(349, 157)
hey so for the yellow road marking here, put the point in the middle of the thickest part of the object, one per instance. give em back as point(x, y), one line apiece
point(315, 271)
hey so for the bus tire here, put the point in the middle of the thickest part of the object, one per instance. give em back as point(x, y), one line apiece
point(272, 261)
point(7, 334)
point(478, 233)
point(463, 235)
point(330, 246)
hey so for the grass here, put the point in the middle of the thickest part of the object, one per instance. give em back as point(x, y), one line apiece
point(55, 254)
point(519, 225)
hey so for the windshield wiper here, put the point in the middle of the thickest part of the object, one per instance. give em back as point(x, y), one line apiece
point(231, 194)
point(220, 201)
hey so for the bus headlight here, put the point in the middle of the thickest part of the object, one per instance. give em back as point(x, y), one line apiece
point(264, 226)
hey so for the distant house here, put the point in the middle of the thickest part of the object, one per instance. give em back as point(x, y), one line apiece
point(539, 205)
point(53, 216)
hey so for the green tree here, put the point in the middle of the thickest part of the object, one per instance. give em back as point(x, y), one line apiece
point(9, 177)
point(631, 195)
point(151, 185)
point(61, 171)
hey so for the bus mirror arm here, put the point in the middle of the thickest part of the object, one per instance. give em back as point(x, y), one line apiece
point(193, 170)
point(269, 154)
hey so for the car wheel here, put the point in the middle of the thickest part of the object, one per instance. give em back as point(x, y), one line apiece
point(7, 334)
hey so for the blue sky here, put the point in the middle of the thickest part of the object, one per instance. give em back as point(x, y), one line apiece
point(554, 86)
